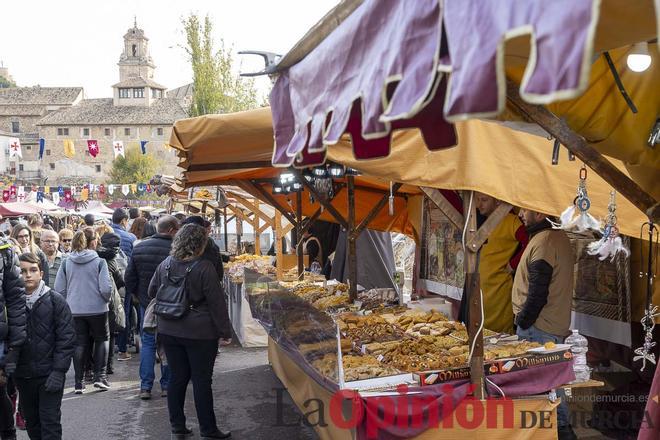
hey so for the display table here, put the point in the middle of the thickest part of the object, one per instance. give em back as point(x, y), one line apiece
point(249, 332)
point(314, 399)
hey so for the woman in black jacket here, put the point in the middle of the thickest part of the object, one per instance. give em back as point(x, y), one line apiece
point(109, 250)
point(191, 342)
point(46, 356)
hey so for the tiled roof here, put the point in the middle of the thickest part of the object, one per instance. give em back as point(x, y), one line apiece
point(22, 109)
point(103, 112)
point(139, 82)
point(39, 95)
point(181, 92)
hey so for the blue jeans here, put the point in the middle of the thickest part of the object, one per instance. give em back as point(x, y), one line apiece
point(122, 337)
point(148, 362)
point(535, 335)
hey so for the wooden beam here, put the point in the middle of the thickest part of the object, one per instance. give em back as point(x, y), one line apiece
point(254, 206)
point(473, 295)
point(259, 191)
point(288, 228)
point(225, 230)
point(255, 227)
point(352, 250)
point(322, 200)
point(374, 211)
point(239, 214)
point(493, 220)
point(309, 221)
point(278, 244)
point(265, 226)
point(229, 166)
point(580, 147)
point(439, 200)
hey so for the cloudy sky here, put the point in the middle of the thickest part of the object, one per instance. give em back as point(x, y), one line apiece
point(78, 42)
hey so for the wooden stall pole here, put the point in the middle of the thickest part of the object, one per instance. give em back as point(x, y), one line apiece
point(475, 304)
point(299, 247)
point(239, 233)
point(255, 226)
point(352, 252)
point(225, 229)
point(278, 244)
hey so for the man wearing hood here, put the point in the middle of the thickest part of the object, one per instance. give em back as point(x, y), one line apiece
point(109, 251)
point(46, 356)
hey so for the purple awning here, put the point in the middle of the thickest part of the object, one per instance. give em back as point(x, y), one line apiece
point(386, 66)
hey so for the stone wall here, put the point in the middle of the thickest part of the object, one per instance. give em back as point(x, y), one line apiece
point(57, 167)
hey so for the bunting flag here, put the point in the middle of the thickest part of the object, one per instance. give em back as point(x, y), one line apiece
point(69, 148)
point(93, 147)
point(125, 189)
point(67, 195)
point(15, 148)
point(42, 146)
point(56, 198)
point(84, 194)
point(20, 194)
point(12, 192)
point(5, 195)
point(40, 197)
point(133, 187)
point(143, 146)
point(60, 190)
point(148, 188)
point(101, 190)
point(118, 148)
point(46, 189)
point(111, 189)
point(142, 187)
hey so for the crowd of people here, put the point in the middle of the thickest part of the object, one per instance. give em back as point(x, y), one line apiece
point(82, 293)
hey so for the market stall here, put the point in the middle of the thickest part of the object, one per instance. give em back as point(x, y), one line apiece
point(433, 70)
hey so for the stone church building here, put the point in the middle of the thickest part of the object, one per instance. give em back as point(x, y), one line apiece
point(139, 110)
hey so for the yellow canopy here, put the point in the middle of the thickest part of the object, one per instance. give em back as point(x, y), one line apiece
point(510, 165)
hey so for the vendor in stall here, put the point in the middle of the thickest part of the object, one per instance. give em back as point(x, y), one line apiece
point(542, 295)
point(499, 259)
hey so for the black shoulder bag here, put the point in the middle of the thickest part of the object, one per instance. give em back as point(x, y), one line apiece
point(172, 298)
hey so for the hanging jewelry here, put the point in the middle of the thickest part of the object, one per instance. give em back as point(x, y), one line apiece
point(577, 217)
point(645, 352)
point(610, 244)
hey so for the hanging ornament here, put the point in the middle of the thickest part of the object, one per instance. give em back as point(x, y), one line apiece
point(583, 221)
point(645, 352)
point(610, 244)
point(5, 195)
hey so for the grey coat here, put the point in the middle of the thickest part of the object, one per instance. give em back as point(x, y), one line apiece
point(84, 280)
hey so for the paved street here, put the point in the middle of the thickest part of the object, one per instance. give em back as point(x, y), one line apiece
point(244, 403)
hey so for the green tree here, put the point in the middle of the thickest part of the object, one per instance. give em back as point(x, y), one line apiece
point(5, 83)
point(216, 88)
point(134, 168)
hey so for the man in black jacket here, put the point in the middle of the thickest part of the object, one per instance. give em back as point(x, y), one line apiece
point(12, 330)
point(147, 255)
point(46, 356)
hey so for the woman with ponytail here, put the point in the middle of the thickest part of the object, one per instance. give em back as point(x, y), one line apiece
point(84, 280)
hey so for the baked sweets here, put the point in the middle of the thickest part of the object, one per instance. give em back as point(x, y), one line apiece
point(356, 367)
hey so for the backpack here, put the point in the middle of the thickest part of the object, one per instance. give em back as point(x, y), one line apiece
point(171, 298)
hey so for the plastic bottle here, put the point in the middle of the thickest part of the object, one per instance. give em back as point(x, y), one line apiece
point(579, 348)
